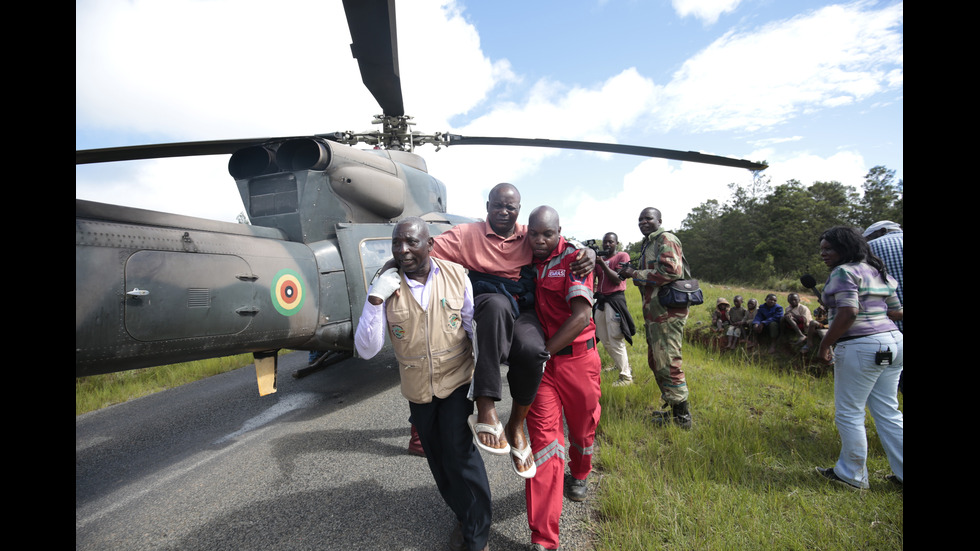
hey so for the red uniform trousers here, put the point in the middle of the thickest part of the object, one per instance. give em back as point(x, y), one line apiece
point(570, 383)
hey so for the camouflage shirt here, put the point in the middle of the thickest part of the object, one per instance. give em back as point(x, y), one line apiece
point(661, 261)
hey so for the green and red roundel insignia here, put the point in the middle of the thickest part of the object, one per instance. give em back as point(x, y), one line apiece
point(287, 292)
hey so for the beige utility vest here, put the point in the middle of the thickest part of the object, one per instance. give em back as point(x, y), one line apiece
point(434, 352)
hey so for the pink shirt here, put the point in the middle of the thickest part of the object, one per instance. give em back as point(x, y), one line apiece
point(606, 285)
point(476, 247)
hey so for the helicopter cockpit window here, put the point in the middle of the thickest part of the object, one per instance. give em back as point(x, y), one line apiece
point(374, 253)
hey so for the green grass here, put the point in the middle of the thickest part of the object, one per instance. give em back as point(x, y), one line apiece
point(743, 478)
point(98, 391)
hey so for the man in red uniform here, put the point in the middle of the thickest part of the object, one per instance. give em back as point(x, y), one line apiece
point(507, 330)
point(563, 302)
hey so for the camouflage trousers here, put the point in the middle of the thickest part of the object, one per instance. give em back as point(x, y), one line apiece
point(665, 335)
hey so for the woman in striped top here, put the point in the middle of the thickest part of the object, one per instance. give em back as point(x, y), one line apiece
point(865, 347)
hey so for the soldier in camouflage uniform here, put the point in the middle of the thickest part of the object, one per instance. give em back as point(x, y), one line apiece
point(662, 261)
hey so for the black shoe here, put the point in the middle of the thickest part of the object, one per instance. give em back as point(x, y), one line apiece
point(830, 475)
point(576, 489)
point(679, 414)
point(682, 415)
point(456, 542)
point(895, 480)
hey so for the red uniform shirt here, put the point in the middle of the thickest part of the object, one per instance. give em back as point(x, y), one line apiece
point(555, 288)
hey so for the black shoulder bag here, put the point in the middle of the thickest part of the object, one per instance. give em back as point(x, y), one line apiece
point(681, 293)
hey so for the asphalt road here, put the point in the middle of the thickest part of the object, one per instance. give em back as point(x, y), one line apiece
point(321, 464)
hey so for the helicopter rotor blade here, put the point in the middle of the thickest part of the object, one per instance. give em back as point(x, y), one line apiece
point(157, 151)
point(692, 156)
point(375, 46)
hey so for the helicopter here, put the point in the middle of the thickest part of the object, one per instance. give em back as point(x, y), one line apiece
point(153, 288)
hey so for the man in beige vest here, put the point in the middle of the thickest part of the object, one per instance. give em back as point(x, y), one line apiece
point(425, 306)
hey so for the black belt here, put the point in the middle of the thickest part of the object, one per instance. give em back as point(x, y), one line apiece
point(852, 337)
point(589, 345)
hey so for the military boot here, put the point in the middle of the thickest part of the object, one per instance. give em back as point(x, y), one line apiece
point(662, 417)
point(679, 414)
point(682, 415)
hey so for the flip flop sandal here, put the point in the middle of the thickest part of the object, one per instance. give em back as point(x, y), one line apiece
point(521, 457)
point(490, 429)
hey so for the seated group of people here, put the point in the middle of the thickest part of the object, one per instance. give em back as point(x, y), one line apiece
point(768, 321)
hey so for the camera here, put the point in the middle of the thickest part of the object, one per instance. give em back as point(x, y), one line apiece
point(595, 246)
point(623, 265)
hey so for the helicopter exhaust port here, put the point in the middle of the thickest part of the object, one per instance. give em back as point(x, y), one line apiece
point(291, 155)
point(303, 154)
point(252, 161)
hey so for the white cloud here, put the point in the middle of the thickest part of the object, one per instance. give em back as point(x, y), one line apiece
point(194, 69)
point(846, 167)
point(192, 186)
point(677, 188)
point(133, 60)
point(674, 188)
point(708, 11)
point(751, 80)
point(434, 36)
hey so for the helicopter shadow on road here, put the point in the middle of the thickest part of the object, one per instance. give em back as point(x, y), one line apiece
point(124, 443)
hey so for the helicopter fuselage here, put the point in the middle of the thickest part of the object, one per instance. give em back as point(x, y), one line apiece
point(154, 288)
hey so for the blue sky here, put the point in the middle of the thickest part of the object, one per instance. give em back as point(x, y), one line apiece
point(814, 88)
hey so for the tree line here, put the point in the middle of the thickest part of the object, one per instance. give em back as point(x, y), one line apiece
point(765, 234)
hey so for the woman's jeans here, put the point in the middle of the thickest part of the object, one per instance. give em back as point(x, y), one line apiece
point(860, 381)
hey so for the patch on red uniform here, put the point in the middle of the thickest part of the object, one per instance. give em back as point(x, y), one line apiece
point(556, 272)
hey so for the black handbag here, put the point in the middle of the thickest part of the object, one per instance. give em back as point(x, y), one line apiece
point(681, 293)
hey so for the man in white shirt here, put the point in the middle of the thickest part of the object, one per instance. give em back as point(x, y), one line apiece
point(425, 306)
